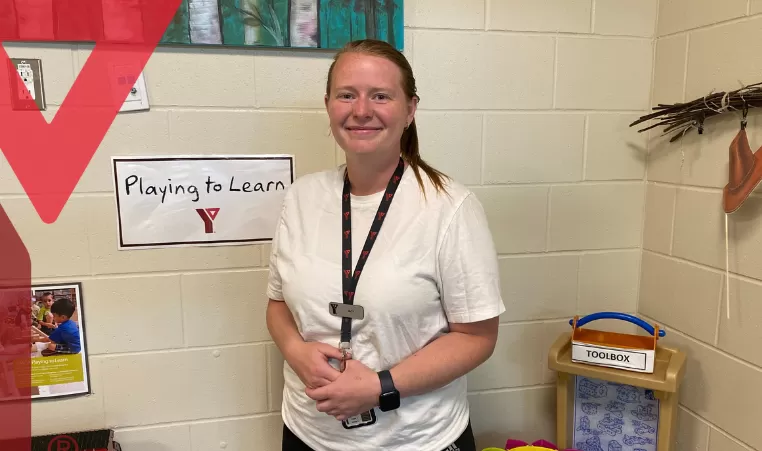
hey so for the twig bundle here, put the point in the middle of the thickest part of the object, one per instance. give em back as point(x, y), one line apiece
point(681, 117)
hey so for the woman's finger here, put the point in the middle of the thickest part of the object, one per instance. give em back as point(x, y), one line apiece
point(325, 406)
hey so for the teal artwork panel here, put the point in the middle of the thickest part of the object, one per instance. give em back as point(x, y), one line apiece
point(345, 20)
point(178, 30)
point(231, 26)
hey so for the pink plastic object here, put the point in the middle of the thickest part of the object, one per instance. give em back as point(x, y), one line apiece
point(545, 444)
point(511, 443)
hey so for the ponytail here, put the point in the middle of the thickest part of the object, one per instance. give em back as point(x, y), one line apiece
point(411, 154)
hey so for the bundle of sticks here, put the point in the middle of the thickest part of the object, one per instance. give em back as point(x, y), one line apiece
point(679, 118)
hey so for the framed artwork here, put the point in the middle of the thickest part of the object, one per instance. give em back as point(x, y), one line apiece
point(327, 24)
point(51, 322)
point(319, 24)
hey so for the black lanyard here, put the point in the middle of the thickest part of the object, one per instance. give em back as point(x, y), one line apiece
point(349, 279)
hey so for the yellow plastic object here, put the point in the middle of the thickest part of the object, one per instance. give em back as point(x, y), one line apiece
point(665, 381)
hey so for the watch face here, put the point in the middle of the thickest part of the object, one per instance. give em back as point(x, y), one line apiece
point(389, 401)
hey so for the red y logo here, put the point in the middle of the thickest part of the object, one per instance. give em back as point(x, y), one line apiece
point(208, 215)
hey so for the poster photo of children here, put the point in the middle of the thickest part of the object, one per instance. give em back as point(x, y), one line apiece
point(52, 321)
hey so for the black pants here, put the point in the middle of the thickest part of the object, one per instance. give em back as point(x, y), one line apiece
point(464, 443)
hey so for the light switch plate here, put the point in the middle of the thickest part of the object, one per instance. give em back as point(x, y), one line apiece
point(27, 84)
point(137, 97)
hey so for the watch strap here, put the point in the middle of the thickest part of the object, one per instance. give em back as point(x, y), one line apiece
point(387, 383)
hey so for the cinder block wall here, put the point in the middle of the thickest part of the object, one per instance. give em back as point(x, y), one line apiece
point(527, 102)
point(703, 46)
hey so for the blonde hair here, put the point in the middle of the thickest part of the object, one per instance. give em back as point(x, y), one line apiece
point(409, 139)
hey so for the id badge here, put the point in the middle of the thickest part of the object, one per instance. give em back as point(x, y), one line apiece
point(358, 421)
point(346, 311)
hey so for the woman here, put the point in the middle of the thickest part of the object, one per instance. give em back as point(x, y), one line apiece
point(377, 354)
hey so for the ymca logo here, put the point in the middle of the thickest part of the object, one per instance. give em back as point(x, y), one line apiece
point(208, 215)
point(63, 443)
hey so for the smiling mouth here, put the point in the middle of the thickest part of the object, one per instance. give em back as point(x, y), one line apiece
point(363, 129)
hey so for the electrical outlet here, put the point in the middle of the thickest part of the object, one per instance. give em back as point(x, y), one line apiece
point(27, 84)
point(137, 97)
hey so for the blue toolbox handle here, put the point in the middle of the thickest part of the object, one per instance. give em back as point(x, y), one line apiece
point(615, 315)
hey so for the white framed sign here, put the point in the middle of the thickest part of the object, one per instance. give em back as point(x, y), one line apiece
point(639, 360)
point(173, 201)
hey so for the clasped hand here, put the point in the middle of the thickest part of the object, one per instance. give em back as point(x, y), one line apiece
point(341, 395)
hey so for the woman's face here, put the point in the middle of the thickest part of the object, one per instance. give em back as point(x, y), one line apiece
point(367, 107)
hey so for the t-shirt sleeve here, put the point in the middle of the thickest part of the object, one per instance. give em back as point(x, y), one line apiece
point(274, 281)
point(57, 335)
point(470, 280)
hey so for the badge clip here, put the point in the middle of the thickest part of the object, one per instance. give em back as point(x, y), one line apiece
point(346, 310)
point(358, 421)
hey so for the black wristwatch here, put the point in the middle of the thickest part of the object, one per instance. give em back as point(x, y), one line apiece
point(390, 397)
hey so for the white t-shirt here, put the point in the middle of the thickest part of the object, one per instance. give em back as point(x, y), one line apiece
point(433, 261)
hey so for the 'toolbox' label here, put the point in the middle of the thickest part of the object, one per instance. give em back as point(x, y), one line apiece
point(633, 360)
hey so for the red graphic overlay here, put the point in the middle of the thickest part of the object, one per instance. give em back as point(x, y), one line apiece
point(123, 41)
point(15, 340)
point(66, 145)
